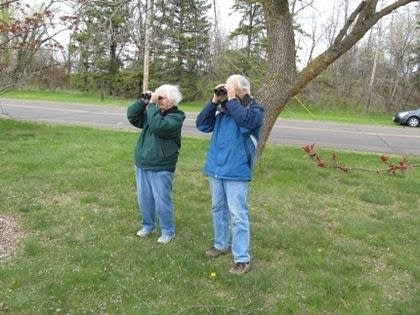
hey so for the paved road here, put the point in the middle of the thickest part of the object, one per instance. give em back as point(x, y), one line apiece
point(399, 140)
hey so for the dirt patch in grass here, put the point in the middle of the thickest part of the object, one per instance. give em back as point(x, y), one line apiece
point(11, 233)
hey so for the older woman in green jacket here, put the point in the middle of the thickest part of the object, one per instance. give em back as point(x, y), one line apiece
point(156, 155)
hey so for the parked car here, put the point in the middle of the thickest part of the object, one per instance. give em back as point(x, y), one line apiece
point(410, 118)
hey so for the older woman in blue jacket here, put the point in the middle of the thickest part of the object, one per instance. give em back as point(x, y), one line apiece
point(235, 119)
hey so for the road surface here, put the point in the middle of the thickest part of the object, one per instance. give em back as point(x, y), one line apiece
point(395, 139)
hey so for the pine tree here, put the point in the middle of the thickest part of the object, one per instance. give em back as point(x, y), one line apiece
point(249, 55)
point(251, 27)
point(103, 35)
point(181, 44)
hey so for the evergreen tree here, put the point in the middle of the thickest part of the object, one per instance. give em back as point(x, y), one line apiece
point(99, 42)
point(181, 44)
point(249, 55)
point(251, 27)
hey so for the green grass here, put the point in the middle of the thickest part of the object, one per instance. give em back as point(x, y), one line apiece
point(293, 110)
point(322, 241)
point(339, 113)
point(66, 96)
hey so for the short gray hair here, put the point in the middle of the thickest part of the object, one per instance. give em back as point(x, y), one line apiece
point(172, 93)
point(243, 82)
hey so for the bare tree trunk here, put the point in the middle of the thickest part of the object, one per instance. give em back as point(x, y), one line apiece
point(372, 81)
point(251, 16)
point(113, 65)
point(147, 38)
point(281, 64)
point(393, 94)
point(314, 40)
point(217, 39)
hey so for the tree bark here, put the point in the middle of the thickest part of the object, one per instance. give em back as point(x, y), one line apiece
point(281, 64)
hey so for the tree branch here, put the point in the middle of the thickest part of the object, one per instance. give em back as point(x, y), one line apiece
point(391, 168)
point(349, 22)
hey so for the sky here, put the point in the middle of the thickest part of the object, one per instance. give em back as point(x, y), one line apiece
point(322, 8)
point(229, 19)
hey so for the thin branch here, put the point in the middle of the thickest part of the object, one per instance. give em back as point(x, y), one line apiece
point(349, 22)
point(391, 169)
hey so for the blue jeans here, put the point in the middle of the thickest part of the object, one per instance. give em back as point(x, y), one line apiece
point(228, 200)
point(154, 197)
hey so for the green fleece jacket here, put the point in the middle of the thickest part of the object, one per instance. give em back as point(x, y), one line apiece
point(160, 140)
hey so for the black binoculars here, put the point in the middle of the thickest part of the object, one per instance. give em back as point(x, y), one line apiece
point(220, 91)
point(146, 96)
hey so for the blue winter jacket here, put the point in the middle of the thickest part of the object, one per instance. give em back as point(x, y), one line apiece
point(236, 130)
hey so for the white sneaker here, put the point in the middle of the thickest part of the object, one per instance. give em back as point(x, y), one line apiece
point(144, 232)
point(164, 239)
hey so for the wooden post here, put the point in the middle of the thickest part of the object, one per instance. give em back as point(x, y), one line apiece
point(147, 38)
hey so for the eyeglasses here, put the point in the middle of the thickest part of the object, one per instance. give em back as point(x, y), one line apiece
point(160, 98)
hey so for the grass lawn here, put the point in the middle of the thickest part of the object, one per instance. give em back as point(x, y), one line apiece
point(322, 241)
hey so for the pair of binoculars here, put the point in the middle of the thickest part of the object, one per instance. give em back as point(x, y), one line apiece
point(146, 96)
point(220, 91)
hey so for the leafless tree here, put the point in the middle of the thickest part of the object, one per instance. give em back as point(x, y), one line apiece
point(377, 50)
point(400, 44)
point(28, 44)
point(282, 80)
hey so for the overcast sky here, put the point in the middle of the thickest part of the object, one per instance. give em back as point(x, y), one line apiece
point(229, 19)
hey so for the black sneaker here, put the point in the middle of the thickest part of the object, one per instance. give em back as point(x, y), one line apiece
point(240, 268)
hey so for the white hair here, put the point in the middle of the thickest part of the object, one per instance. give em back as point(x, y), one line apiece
point(243, 82)
point(172, 93)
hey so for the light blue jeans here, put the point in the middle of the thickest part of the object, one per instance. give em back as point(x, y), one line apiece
point(154, 197)
point(229, 207)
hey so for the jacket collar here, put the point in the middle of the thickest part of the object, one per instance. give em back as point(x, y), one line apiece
point(247, 99)
point(173, 109)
